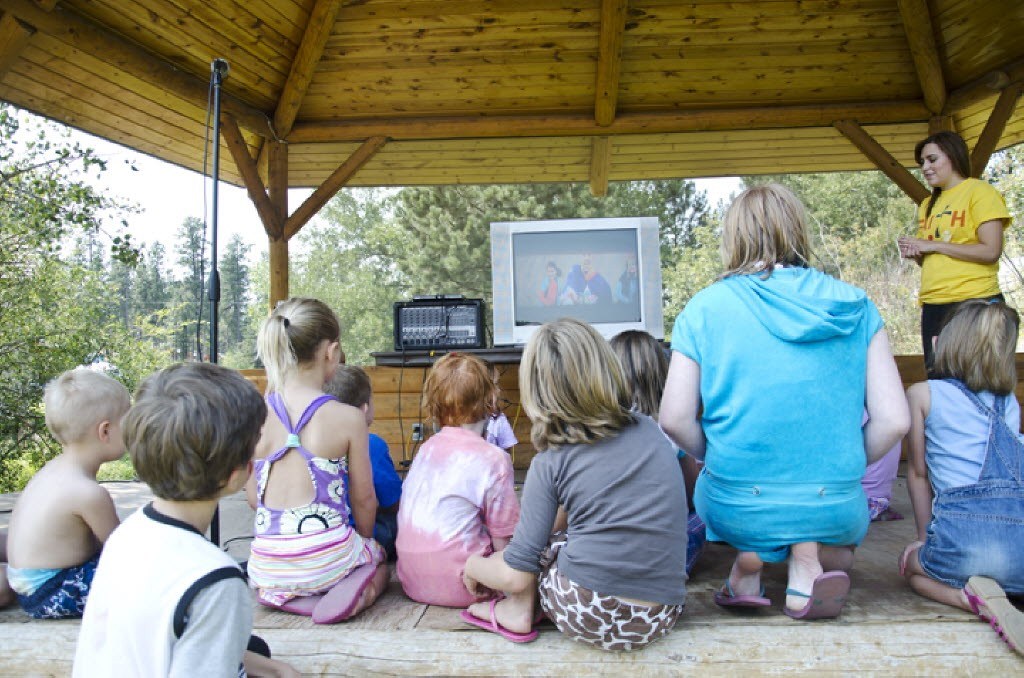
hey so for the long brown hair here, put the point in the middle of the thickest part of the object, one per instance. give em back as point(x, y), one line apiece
point(955, 148)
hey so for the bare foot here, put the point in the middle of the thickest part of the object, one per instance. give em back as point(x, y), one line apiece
point(745, 576)
point(804, 568)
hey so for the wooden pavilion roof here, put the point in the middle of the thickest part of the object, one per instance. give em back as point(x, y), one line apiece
point(407, 92)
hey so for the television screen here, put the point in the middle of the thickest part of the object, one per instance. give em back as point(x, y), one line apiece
point(606, 272)
point(594, 271)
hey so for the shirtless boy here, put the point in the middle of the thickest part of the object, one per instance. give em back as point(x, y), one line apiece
point(63, 516)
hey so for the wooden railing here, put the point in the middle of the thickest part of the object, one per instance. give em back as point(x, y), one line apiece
point(396, 393)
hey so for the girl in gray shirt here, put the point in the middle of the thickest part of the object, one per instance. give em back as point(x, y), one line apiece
point(608, 484)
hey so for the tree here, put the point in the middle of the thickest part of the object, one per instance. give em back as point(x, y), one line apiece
point(235, 338)
point(189, 298)
point(52, 310)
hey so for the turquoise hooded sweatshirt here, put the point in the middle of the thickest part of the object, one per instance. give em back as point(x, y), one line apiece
point(783, 365)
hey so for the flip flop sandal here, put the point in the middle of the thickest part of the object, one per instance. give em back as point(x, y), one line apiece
point(494, 627)
point(826, 599)
point(726, 597)
point(988, 600)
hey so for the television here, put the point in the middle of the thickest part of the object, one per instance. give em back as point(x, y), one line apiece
point(606, 272)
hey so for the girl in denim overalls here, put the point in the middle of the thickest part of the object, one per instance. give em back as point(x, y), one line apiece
point(965, 472)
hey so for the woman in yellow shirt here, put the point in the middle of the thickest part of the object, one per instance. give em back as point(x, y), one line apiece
point(959, 236)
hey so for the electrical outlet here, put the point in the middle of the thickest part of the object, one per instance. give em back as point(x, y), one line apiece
point(417, 432)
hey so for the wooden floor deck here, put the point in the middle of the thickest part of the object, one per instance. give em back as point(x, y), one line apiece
point(884, 629)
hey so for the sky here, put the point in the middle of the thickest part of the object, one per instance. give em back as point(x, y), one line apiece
point(167, 194)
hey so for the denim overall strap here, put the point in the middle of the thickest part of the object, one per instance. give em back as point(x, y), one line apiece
point(1004, 456)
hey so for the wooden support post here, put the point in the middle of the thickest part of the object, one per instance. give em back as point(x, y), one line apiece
point(941, 123)
point(277, 180)
point(917, 24)
point(997, 120)
point(331, 185)
point(882, 159)
point(278, 270)
point(609, 60)
point(600, 164)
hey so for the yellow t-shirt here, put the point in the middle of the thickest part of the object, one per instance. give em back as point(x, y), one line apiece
point(955, 219)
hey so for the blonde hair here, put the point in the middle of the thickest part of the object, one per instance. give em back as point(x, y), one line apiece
point(765, 225)
point(350, 385)
point(292, 334)
point(645, 367)
point(192, 426)
point(572, 386)
point(460, 389)
point(978, 344)
point(78, 400)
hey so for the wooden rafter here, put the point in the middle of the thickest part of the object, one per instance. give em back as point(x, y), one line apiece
point(917, 24)
point(87, 36)
point(332, 184)
point(625, 123)
point(314, 39)
point(994, 127)
point(272, 224)
point(609, 60)
point(882, 159)
point(984, 87)
point(14, 36)
point(600, 165)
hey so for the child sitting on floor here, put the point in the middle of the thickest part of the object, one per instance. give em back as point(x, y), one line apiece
point(498, 431)
point(306, 558)
point(645, 367)
point(965, 472)
point(351, 385)
point(165, 601)
point(63, 517)
point(458, 498)
point(615, 578)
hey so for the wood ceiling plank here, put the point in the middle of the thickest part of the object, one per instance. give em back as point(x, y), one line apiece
point(14, 35)
point(94, 39)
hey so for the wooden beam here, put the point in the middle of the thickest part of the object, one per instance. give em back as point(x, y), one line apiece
point(405, 129)
point(277, 180)
point(14, 36)
point(600, 164)
point(91, 38)
point(332, 184)
point(314, 39)
point(941, 123)
point(984, 87)
point(882, 159)
point(917, 23)
point(994, 127)
point(278, 249)
point(609, 60)
point(247, 168)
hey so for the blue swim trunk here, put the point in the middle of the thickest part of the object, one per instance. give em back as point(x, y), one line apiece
point(63, 596)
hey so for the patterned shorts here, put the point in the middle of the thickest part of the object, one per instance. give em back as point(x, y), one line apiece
point(607, 622)
point(63, 596)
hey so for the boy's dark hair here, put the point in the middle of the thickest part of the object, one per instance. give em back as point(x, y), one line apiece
point(350, 385)
point(191, 427)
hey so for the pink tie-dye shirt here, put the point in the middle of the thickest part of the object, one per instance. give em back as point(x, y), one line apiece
point(458, 495)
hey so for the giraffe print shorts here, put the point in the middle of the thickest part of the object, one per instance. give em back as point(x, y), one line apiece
point(607, 622)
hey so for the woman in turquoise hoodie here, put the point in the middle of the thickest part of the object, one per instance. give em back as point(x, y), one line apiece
point(783, 359)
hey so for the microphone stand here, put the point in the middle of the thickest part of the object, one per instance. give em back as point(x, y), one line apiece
point(218, 69)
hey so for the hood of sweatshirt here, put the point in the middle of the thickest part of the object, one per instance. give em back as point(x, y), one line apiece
point(801, 305)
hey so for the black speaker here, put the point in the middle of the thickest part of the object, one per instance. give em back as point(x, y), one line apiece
point(440, 322)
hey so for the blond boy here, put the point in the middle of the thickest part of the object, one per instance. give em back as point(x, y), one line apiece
point(63, 517)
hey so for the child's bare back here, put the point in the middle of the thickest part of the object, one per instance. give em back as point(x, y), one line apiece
point(61, 518)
